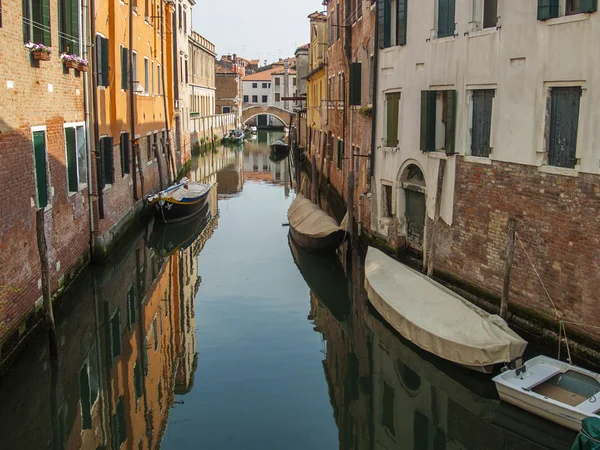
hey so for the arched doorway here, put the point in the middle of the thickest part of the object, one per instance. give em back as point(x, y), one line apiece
point(412, 182)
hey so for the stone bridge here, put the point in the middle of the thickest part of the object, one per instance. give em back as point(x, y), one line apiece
point(251, 111)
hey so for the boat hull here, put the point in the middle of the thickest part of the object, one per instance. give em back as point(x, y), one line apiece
point(321, 244)
point(167, 211)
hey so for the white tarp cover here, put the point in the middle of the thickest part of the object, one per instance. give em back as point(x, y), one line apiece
point(186, 190)
point(435, 318)
point(307, 218)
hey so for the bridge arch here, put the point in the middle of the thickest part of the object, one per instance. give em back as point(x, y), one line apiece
point(253, 111)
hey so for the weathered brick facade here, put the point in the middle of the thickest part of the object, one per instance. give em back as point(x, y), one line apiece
point(229, 87)
point(35, 94)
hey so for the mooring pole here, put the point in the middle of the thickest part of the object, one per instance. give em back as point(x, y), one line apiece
point(510, 253)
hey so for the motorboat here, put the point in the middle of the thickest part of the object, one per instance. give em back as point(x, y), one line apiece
point(312, 228)
point(552, 389)
point(437, 319)
point(179, 202)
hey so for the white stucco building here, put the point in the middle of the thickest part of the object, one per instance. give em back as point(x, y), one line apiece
point(268, 87)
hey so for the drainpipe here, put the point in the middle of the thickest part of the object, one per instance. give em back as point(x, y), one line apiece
point(167, 144)
point(132, 105)
point(88, 132)
point(97, 154)
point(375, 78)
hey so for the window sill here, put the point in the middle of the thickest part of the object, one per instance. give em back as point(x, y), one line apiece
point(437, 155)
point(478, 160)
point(559, 171)
point(568, 19)
point(390, 149)
point(443, 40)
point(484, 32)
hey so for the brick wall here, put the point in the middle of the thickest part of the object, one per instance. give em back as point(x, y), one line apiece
point(557, 221)
point(227, 90)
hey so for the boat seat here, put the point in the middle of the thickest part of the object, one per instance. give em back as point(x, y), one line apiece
point(591, 405)
point(536, 375)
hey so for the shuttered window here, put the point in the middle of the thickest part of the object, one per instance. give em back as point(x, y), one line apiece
point(392, 105)
point(490, 13)
point(36, 21)
point(124, 68)
point(446, 18)
point(108, 170)
point(450, 125)
point(384, 19)
point(427, 121)
point(564, 122)
point(355, 83)
point(550, 9)
point(340, 154)
point(430, 121)
point(103, 78)
point(391, 33)
point(41, 177)
point(71, 143)
point(482, 122)
point(401, 21)
point(547, 9)
point(68, 26)
point(124, 148)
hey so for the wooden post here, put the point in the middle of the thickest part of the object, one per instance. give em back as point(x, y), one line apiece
point(46, 292)
point(510, 253)
point(315, 182)
point(436, 219)
point(161, 177)
point(350, 203)
point(139, 155)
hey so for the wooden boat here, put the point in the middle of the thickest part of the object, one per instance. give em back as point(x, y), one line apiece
point(179, 202)
point(558, 391)
point(436, 319)
point(312, 228)
point(279, 153)
point(235, 137)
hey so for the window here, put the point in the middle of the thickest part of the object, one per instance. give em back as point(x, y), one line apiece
point(264, 98)
point(108, 170)
point(550, 9)
point(36, 21)
point(294, 81)
point(564, 122)
point(40, 161)
point(124, 68)
point(185, 21)
point(265, 85)
point(446, 18)
point(482, 122)
point(102, 58)
point(338, 23)
point(255, 99)
point(68, 26)
point(386, 200)
point(180, 17)
point(158, 80)
point(392, 107)
point(76, 158)
point(134, 69)
point(340, 154)
point(438, 121)
point(246, 99)
point(146, 77)
point(226, 109)
point(254, 85)
point(155, 145)
point(125, 152)
point(186, 72)
point(490, 13)
point(152, 74)
point(149, 152)
point(277, 97)
point(277, 81)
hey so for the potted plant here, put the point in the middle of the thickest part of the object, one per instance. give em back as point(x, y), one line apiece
point(70, 61)
point(84, 65)
point(39, 51)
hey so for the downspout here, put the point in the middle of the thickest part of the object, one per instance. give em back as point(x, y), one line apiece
point(375, 78)
point(166, 145)
point(132, 105)
point(97, 153)
point(87, 112)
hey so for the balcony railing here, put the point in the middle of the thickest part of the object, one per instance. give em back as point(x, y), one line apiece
point(208, 124)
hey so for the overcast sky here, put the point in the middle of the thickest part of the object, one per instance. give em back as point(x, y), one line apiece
point(255, 29)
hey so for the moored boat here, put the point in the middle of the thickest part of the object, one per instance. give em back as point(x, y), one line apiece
point(179, 202)
point(552, 389)
point(312, 228)
point(436, 319)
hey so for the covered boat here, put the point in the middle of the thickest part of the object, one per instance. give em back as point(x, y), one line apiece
point(179, 202)
point(312, 228)
point(558, 391)
point(436, 319)
point(279, 146)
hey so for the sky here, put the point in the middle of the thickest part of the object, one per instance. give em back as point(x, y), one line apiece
point(255, 29)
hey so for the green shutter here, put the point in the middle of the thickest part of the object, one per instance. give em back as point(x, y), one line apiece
point(105, 63)
point(401, 22)
point(124, 68)
point(71, 159)
point(74, 22)
point(124, 154)
point(45, 4)
point(99, 59)
point(39, 150)
point(547, 9)
point(427, 121)
point(355, 83)
point(589, 5)
point(450, 122)
point(392, 104)
point(446, 19)
point(387, 23)
point(108, 160)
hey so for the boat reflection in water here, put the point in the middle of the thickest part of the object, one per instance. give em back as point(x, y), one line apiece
point(389, 394)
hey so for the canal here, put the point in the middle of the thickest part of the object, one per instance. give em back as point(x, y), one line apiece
point(222, 334)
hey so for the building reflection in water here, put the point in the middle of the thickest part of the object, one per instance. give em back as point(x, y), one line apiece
point(259, 167)
point(388, 394)
point(127, 344)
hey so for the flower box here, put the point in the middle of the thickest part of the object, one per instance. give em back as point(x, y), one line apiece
point(41, 55)
point(71, 64)
point(83, 67)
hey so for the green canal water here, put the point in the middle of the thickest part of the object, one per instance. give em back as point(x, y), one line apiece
point(221, 334)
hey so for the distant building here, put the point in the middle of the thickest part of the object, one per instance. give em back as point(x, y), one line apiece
point(268, 87)
point(302, 70)
point(202, 76)
point(228, 92)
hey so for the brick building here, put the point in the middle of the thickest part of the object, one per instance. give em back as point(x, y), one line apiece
point(43, 160)
point(491, 100)
point(228, 92)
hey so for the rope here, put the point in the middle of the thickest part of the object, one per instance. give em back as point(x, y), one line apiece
point(586, 435)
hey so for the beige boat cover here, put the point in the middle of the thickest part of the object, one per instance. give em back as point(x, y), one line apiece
point(307, 218)
point(435, 318)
